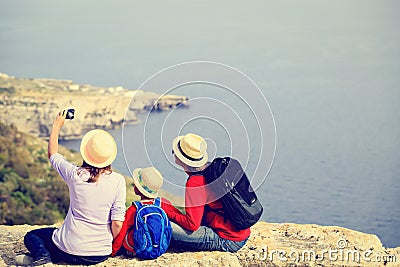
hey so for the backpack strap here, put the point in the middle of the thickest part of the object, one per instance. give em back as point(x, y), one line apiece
point(157, 202)
point(138, 204)
point(127, 240)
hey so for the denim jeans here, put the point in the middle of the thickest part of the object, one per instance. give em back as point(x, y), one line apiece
point(40, 244)
point(203, 239)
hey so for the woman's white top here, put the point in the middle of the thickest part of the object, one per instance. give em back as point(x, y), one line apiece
point(86, 230)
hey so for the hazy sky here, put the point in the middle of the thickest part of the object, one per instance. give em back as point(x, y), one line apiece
point(123, 42)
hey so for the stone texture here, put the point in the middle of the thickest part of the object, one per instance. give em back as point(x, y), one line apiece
point(267, 239)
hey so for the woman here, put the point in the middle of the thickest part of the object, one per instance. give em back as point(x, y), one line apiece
point(97, 204)
point(200, 228)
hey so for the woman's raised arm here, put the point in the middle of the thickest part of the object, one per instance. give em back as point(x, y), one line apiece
point(55, 131)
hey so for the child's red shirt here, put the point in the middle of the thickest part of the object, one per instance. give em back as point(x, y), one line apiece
point(127, 241)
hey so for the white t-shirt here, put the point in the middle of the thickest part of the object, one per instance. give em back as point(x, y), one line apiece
point(86, 230)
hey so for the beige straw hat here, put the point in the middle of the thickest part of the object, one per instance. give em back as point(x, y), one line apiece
point(191, 149)
point(148, 181)
point(98, 148)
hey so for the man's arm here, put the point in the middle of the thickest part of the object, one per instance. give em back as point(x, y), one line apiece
point(195, 199)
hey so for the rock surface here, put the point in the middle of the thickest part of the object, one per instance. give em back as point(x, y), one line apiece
point(270, 244)
point(32, 104)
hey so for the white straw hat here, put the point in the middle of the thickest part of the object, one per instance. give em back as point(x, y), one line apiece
point(191, 149)
point(148, 181)
point(98, 148)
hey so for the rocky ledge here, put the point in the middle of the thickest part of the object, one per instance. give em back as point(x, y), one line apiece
point(270, 244)
point(31, 105)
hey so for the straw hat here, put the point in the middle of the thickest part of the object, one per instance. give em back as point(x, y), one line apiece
point(148, 181)
point(98, 148)
point(191, 149)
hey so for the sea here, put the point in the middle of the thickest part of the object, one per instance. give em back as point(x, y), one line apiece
point(304, 93)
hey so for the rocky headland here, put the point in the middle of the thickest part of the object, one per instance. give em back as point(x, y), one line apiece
point(270, 244)
point(31, 105)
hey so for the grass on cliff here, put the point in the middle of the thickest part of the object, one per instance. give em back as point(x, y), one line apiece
point(30, 190)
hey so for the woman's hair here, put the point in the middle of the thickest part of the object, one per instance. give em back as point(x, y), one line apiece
point(94, 171)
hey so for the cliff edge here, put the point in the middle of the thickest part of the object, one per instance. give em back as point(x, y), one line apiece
point(270, 244)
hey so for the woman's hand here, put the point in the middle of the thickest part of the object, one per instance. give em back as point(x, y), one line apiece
point(60, 119)
point(53, 139)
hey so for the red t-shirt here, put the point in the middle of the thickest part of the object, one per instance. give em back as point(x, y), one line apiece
point(196, 196)
point(127, 241)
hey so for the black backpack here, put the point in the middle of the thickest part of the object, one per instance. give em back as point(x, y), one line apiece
point(239, 201)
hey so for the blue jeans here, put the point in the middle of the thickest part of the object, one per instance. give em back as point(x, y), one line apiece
point(203, 239)
point(40, 244)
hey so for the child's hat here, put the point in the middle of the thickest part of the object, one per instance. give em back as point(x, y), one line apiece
point(148, 181)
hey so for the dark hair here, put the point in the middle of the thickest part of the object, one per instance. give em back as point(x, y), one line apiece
point(140, 194)
point(94, 171)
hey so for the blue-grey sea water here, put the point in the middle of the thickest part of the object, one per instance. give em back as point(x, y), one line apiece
point(328, 69)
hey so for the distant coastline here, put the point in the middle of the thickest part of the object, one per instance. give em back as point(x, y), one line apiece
point(31, 104)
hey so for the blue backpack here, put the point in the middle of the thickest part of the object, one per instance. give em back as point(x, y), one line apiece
point(152, 232)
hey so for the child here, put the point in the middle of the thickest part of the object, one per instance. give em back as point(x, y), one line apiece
point(147, 182)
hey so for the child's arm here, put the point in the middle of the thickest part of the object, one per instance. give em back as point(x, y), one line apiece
point(129, 221)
